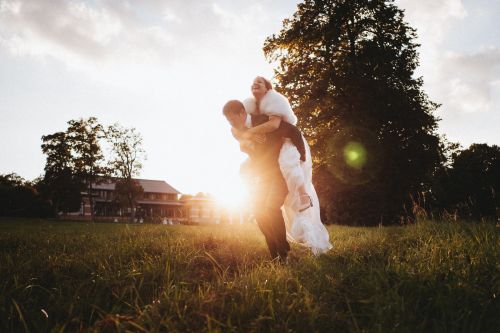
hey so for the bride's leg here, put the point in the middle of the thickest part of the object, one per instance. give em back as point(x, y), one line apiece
point(304, 197)
point(289, 162)
point(293, 172)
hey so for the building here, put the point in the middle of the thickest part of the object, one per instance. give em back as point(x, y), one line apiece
point(201, 209)
point(204, 209)
point(159, 202)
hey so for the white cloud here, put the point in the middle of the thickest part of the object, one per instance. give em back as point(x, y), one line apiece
point(46, 27)
point(95, 39)
point(468, 80)
point(433, 19)
point(170, 16)
point(460, 64)
point(462, 81)
point(109, 39)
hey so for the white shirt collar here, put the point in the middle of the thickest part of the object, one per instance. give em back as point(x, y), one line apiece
point(248, 121)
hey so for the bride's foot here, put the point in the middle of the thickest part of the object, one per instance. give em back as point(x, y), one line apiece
point(305, 202)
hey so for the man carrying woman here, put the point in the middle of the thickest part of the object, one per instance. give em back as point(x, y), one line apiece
point(280, 160)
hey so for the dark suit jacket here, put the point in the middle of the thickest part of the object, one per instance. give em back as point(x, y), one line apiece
point(271, 190)
point(285, 130)
point(265, 157)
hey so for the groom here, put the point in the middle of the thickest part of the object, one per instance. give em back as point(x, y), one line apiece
point(270, 190)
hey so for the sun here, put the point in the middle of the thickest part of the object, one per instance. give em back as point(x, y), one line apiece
point(233, 194)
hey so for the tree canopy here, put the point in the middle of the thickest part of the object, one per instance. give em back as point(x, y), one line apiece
point(469, 186)
point(127, 155)
point(347, 68)
point(60, 183)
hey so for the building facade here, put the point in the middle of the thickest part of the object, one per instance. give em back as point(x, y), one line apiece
point(201, 209)
point(159, 202)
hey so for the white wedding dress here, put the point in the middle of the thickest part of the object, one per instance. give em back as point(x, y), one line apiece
point(304, 227)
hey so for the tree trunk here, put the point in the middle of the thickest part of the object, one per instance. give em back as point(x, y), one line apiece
point(55, 207)
point(132, 209)
point(133, 212)
point(91, 202)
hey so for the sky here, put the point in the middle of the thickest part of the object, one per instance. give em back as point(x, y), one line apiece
point(167, 67)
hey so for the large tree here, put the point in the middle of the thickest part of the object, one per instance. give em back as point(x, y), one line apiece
point(348, 69)
point(127, 155)
point(60, 182)
point(85, 136)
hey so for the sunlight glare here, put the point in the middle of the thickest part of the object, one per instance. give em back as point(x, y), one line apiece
point(233, 195)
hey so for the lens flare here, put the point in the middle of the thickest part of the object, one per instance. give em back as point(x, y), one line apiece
point(355, 155)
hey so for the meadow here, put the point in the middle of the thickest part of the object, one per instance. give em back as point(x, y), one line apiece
point(82, 277)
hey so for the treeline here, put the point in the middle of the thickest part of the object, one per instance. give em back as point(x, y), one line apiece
point(22, 198)
point(75, 163)
point(466, 188)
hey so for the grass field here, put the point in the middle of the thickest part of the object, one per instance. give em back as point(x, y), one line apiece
point(429, 277)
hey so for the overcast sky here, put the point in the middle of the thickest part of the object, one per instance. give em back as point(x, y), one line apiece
point(167, 67)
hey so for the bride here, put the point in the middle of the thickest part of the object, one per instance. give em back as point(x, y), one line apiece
point(301, 208)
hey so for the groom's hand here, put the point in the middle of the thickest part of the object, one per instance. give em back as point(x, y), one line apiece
point(259, 138)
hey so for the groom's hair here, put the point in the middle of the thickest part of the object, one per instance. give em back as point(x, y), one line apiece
point(233, 107)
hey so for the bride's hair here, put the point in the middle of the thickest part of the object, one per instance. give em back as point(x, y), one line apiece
point(268, 86)
point(267, 83)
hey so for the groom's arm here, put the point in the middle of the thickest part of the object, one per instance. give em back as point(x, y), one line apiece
point(237, 134)
point(246, 146)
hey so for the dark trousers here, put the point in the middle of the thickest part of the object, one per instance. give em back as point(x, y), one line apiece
point(268, 198)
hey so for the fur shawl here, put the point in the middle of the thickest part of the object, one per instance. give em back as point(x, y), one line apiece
point(272, 104)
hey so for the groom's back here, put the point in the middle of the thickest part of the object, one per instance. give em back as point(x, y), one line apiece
point(285, 130)
point(266, 154)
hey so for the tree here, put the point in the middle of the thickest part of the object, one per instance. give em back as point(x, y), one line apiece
point(471, 184)
point(127, 191)
point(19, 197)
point(127, 155)
point(84, 136)
point(60, 183)
point(347, 68)
point(7, 184)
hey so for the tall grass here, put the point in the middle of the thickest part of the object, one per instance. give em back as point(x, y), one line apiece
point(72, 277)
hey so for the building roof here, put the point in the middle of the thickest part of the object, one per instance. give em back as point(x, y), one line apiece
point(198, 200)
point(146, 202)
point(151, 186)
point(160, 202)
